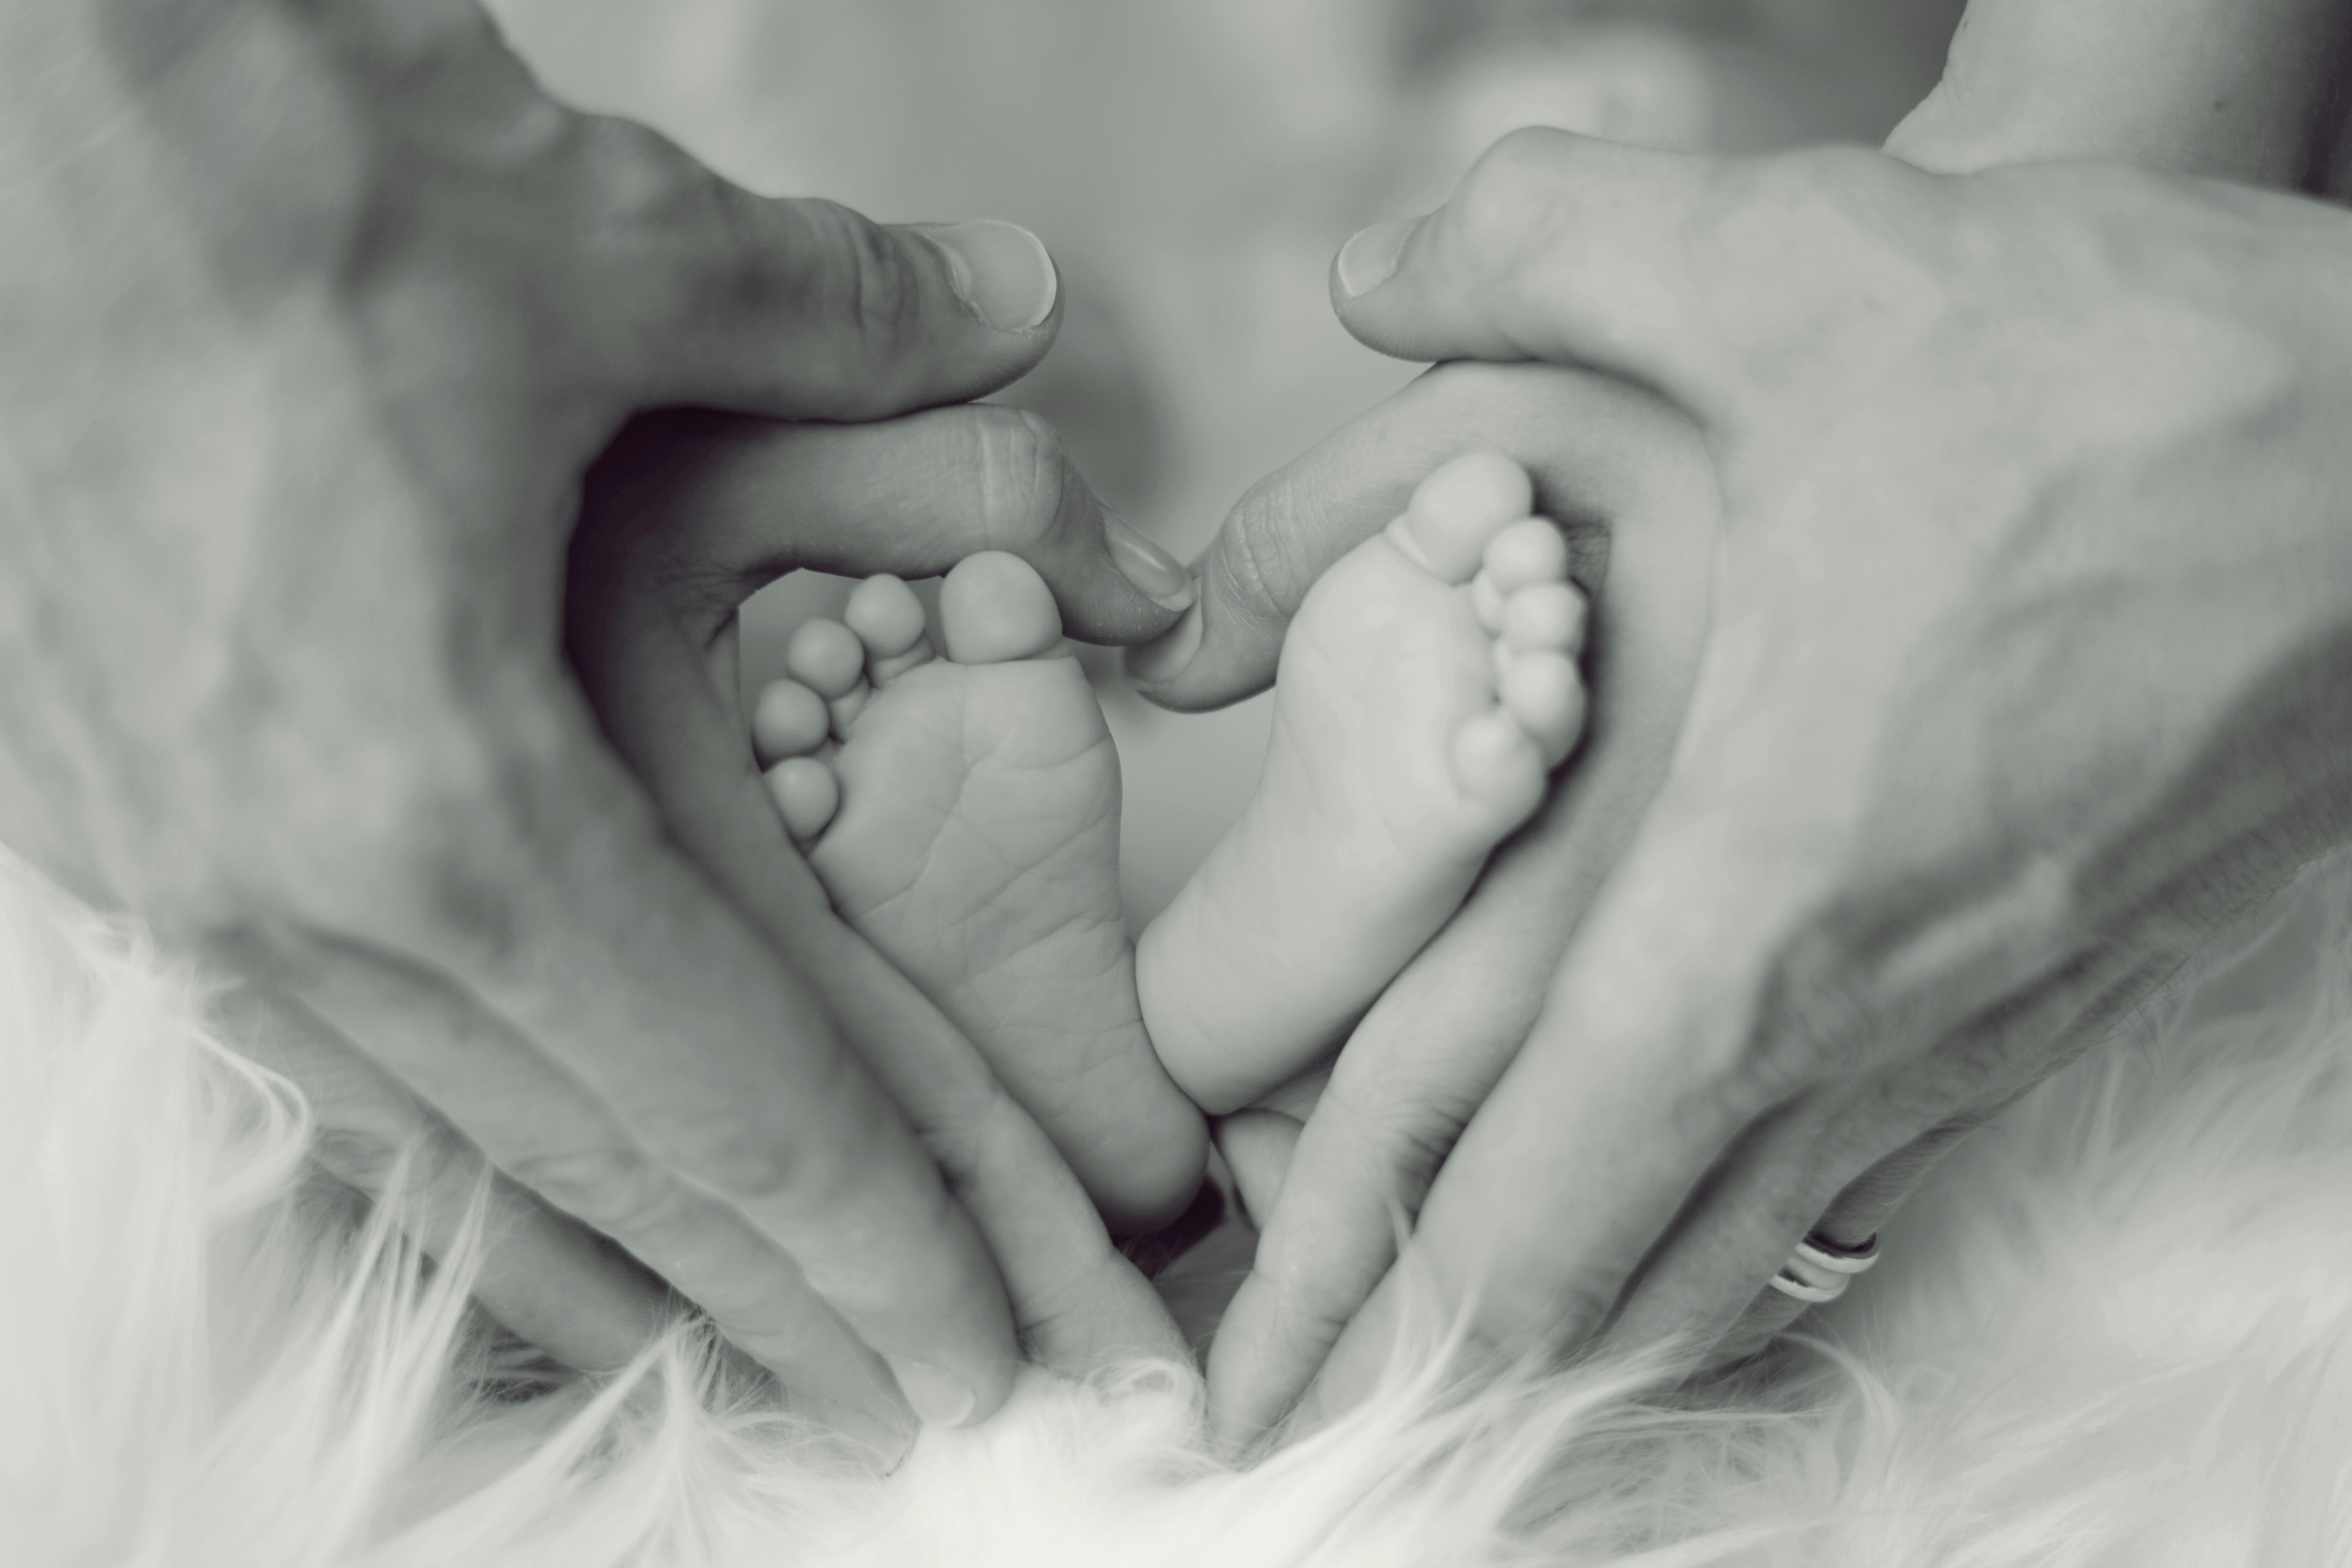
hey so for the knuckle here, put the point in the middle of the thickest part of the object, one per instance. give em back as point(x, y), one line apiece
point(734, 256)
point(837, 266)
point(1410, 1120)
point(641, 184)
point(614, 1186)
point(1506, 206)
point(1021, 475)
point(1267, 558)
point(751, 1162)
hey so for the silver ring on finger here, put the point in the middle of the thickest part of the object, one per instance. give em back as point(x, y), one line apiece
point(1821, 1267)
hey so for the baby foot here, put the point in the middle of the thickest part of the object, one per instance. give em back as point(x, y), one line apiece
point(965, 820)
point(1428, 687)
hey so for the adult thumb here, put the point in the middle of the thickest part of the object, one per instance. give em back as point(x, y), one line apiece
point(1662, 268)
point(706, 293)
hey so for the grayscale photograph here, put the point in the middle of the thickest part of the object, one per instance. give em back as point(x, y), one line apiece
point(1142, 783)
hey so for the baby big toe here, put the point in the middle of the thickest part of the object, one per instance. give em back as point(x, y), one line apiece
point(888, 619)
point(806, 796)
point(1455, 510)
point(826, 658)
point(995, 608)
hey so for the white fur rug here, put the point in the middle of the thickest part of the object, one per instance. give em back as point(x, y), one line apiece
point(2118, 1330)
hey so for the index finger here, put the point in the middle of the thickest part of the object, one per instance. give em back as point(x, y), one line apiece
point(733, 500)
point(1588, 442)
point(1635, 1080)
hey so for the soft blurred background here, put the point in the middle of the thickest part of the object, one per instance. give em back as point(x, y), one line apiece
point(1193, 164)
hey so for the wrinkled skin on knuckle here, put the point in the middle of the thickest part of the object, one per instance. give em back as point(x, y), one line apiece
point(673, 253)
point(1285, 530)
point(1020, 475)
point(1414, 1107)
point(755, 1162)
point(827, 264)
point(604, 1182)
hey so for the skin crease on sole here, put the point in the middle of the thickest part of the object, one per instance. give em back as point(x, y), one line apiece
point(963, 813)
point(1428, 687)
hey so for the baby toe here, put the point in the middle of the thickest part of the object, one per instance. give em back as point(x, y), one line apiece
point(788, 721)
point(1544, 698)
point(845, 708)
point(807, 795)
point(1545, 619)
point(1486, 600)
point(826, 656)
point(995, 608)
point(1528, 552)
point(1496, 764)
point(888, 619)
point(1457, 510)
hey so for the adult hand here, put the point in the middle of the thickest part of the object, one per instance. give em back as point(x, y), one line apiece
point(2022, 84)
point(317, 314)
point(1993, 722)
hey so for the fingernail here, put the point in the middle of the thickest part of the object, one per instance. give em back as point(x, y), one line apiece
point(1000, 269)
point(1370, 259)
point(939, 1396)
point(1166, 657)
point(1150, 568)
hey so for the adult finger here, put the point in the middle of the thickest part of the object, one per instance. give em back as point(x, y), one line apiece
point(1636, 1081)
point(1589, 441)
point(1850, 1152)
point(1556, 248)
point(1395, 1105)
point(1855, 1219)
point(549, 894)
point(541, 1274)
point(1078, 1303)
point(665, 693)
point(561, 1139)
point(695, 291)
point(739, 500)
point(1715, 280)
